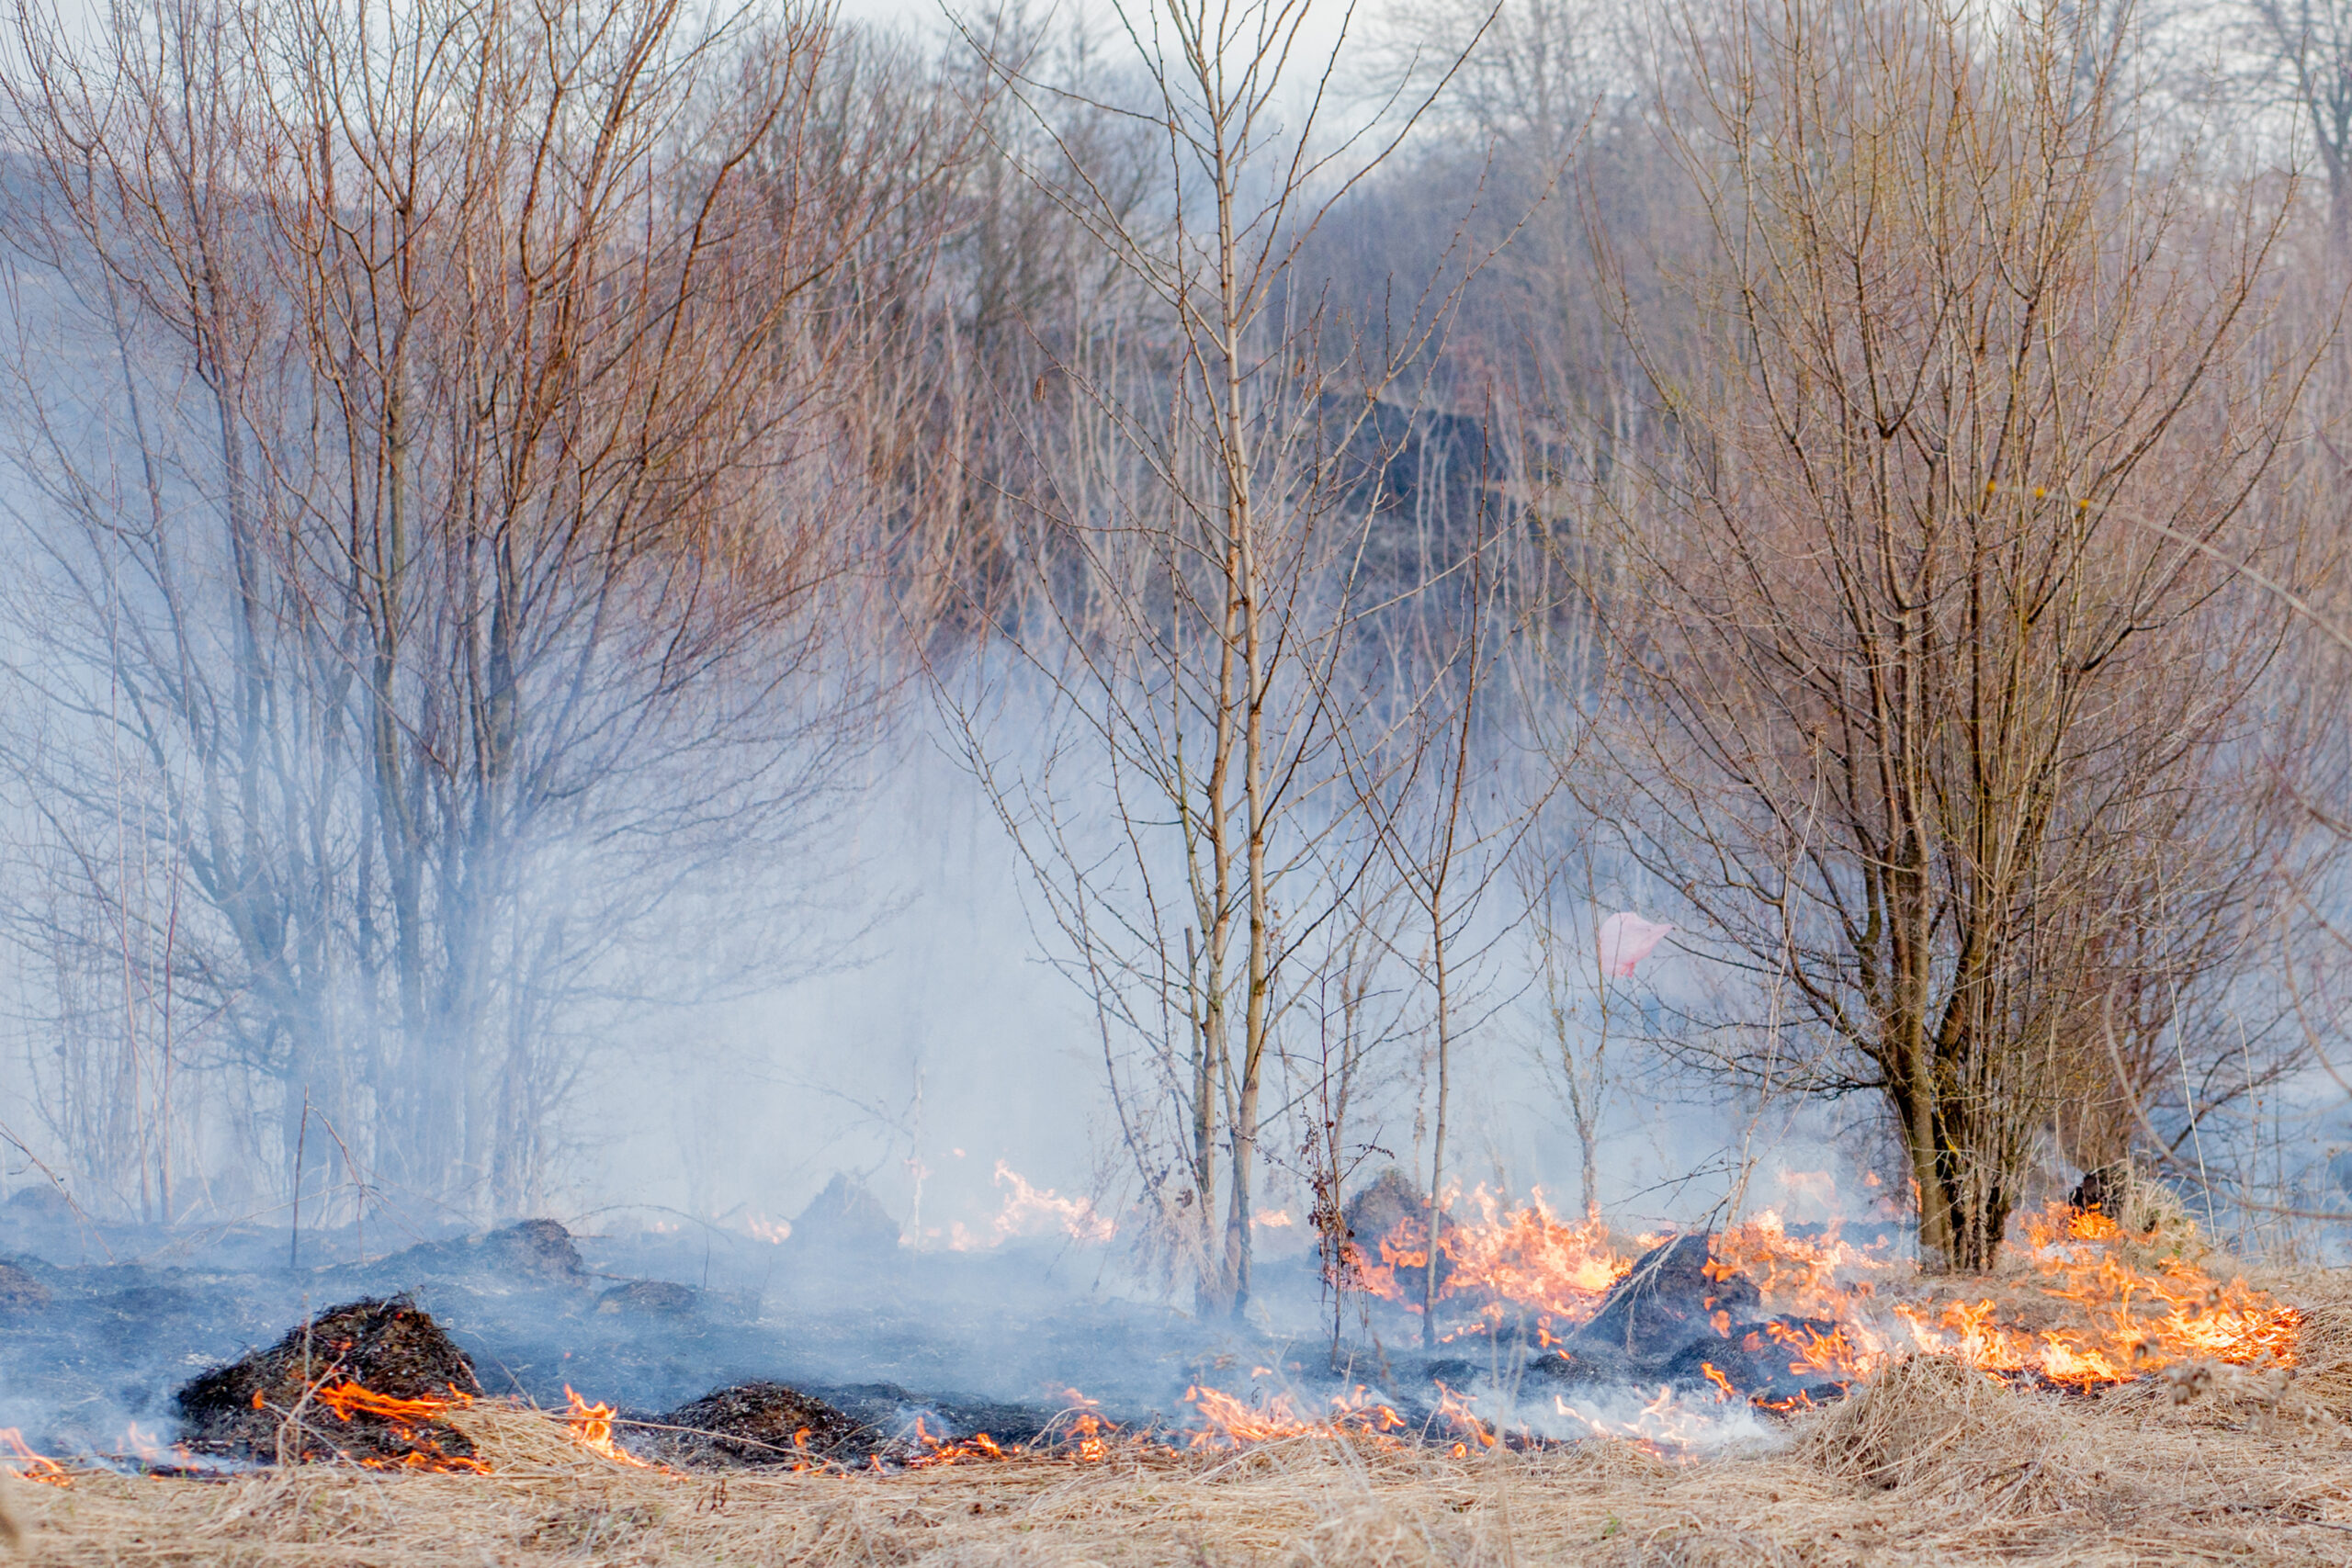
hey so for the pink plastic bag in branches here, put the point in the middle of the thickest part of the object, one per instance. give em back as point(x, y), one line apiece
point(1627, 939)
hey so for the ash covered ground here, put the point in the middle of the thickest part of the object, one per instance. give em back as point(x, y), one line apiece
point(102, 1327)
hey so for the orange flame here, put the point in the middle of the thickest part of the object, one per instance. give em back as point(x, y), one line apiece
point(2138, 1321)
point(590, 1427)
point(1092, 1447)
point(406, 1416)
point(937, 1452)
point(1031, 1211)
point(1525, 1258)
point(35, 1467)
point(1829, 1319)
point(1797, 1276)
point(346, 1398)
point(1455, 1410)
point(1231, 1423)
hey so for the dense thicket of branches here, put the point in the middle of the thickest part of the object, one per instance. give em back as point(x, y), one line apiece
point(1941, 689)
point(485, 477)
point(436, 430)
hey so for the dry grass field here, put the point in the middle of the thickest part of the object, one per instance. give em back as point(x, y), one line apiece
point(1930, 1462)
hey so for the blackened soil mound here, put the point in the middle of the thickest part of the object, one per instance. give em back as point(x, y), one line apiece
point(1680, 1317)
point(2104, 1188)
point(534, 1253)
point(541, 1247)
point(1376, 1211)
point(1671, 1298)
point(391, 1348)
point(20, 1293)
point(651, 1298)
point(44, 1205)
point(844, 1217)
point(1766, 1361)
point(753, 1424)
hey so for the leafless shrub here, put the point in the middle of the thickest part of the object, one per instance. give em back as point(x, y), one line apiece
point(1939, 701)
point(433, 576)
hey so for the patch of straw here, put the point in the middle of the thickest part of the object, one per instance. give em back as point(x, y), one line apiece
point(1930, 1463)
point(1930, 1423)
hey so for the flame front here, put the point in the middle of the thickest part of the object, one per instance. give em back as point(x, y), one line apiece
point(2137, 1321)
point(935, 1451)
point(409, 1418)
point(1521, 1259)
point(1825, 1305)
point(1825, 1301)
point(1030, 1210)
point(1229, 1422)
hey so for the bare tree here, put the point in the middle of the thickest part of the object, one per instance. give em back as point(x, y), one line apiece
point(1439, 794)
point(1941, 702)
point(2305, 47)
point(1358, 1015)
point(488, 385)
point(1572, 990)
point(1192, 602)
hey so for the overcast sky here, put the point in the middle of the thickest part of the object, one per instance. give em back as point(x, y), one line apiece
point(1324, 16)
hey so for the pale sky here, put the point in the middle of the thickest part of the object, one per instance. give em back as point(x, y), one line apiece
point(1324, 16)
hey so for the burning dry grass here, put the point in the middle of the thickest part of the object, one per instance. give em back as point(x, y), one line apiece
point(1931, 1462)
point(2117, 1396)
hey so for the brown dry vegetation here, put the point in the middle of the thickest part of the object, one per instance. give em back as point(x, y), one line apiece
point(1930, 1463)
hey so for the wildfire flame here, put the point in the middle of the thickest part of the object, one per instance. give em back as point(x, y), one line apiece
point(2138, 1321)
point(28, 1465)
point(1028, 1210)
point(1524, 1259)
point(347, 1399)
point(590, 1427)
point(1665, 1425)
point(407, 1417)
point(1830, 1314)
point(1230, 1423)
point(936, 1451)
point(1798, 1276)
point(1456, 1412)
point(2133, 1320)
point(1089, 1440)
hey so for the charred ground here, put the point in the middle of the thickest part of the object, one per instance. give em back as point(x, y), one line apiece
point(713, 1349)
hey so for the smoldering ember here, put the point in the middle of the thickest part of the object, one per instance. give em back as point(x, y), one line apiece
point(1442, 782)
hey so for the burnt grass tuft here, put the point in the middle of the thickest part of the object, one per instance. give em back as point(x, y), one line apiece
point(390, 1347)
point(754, 1424)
